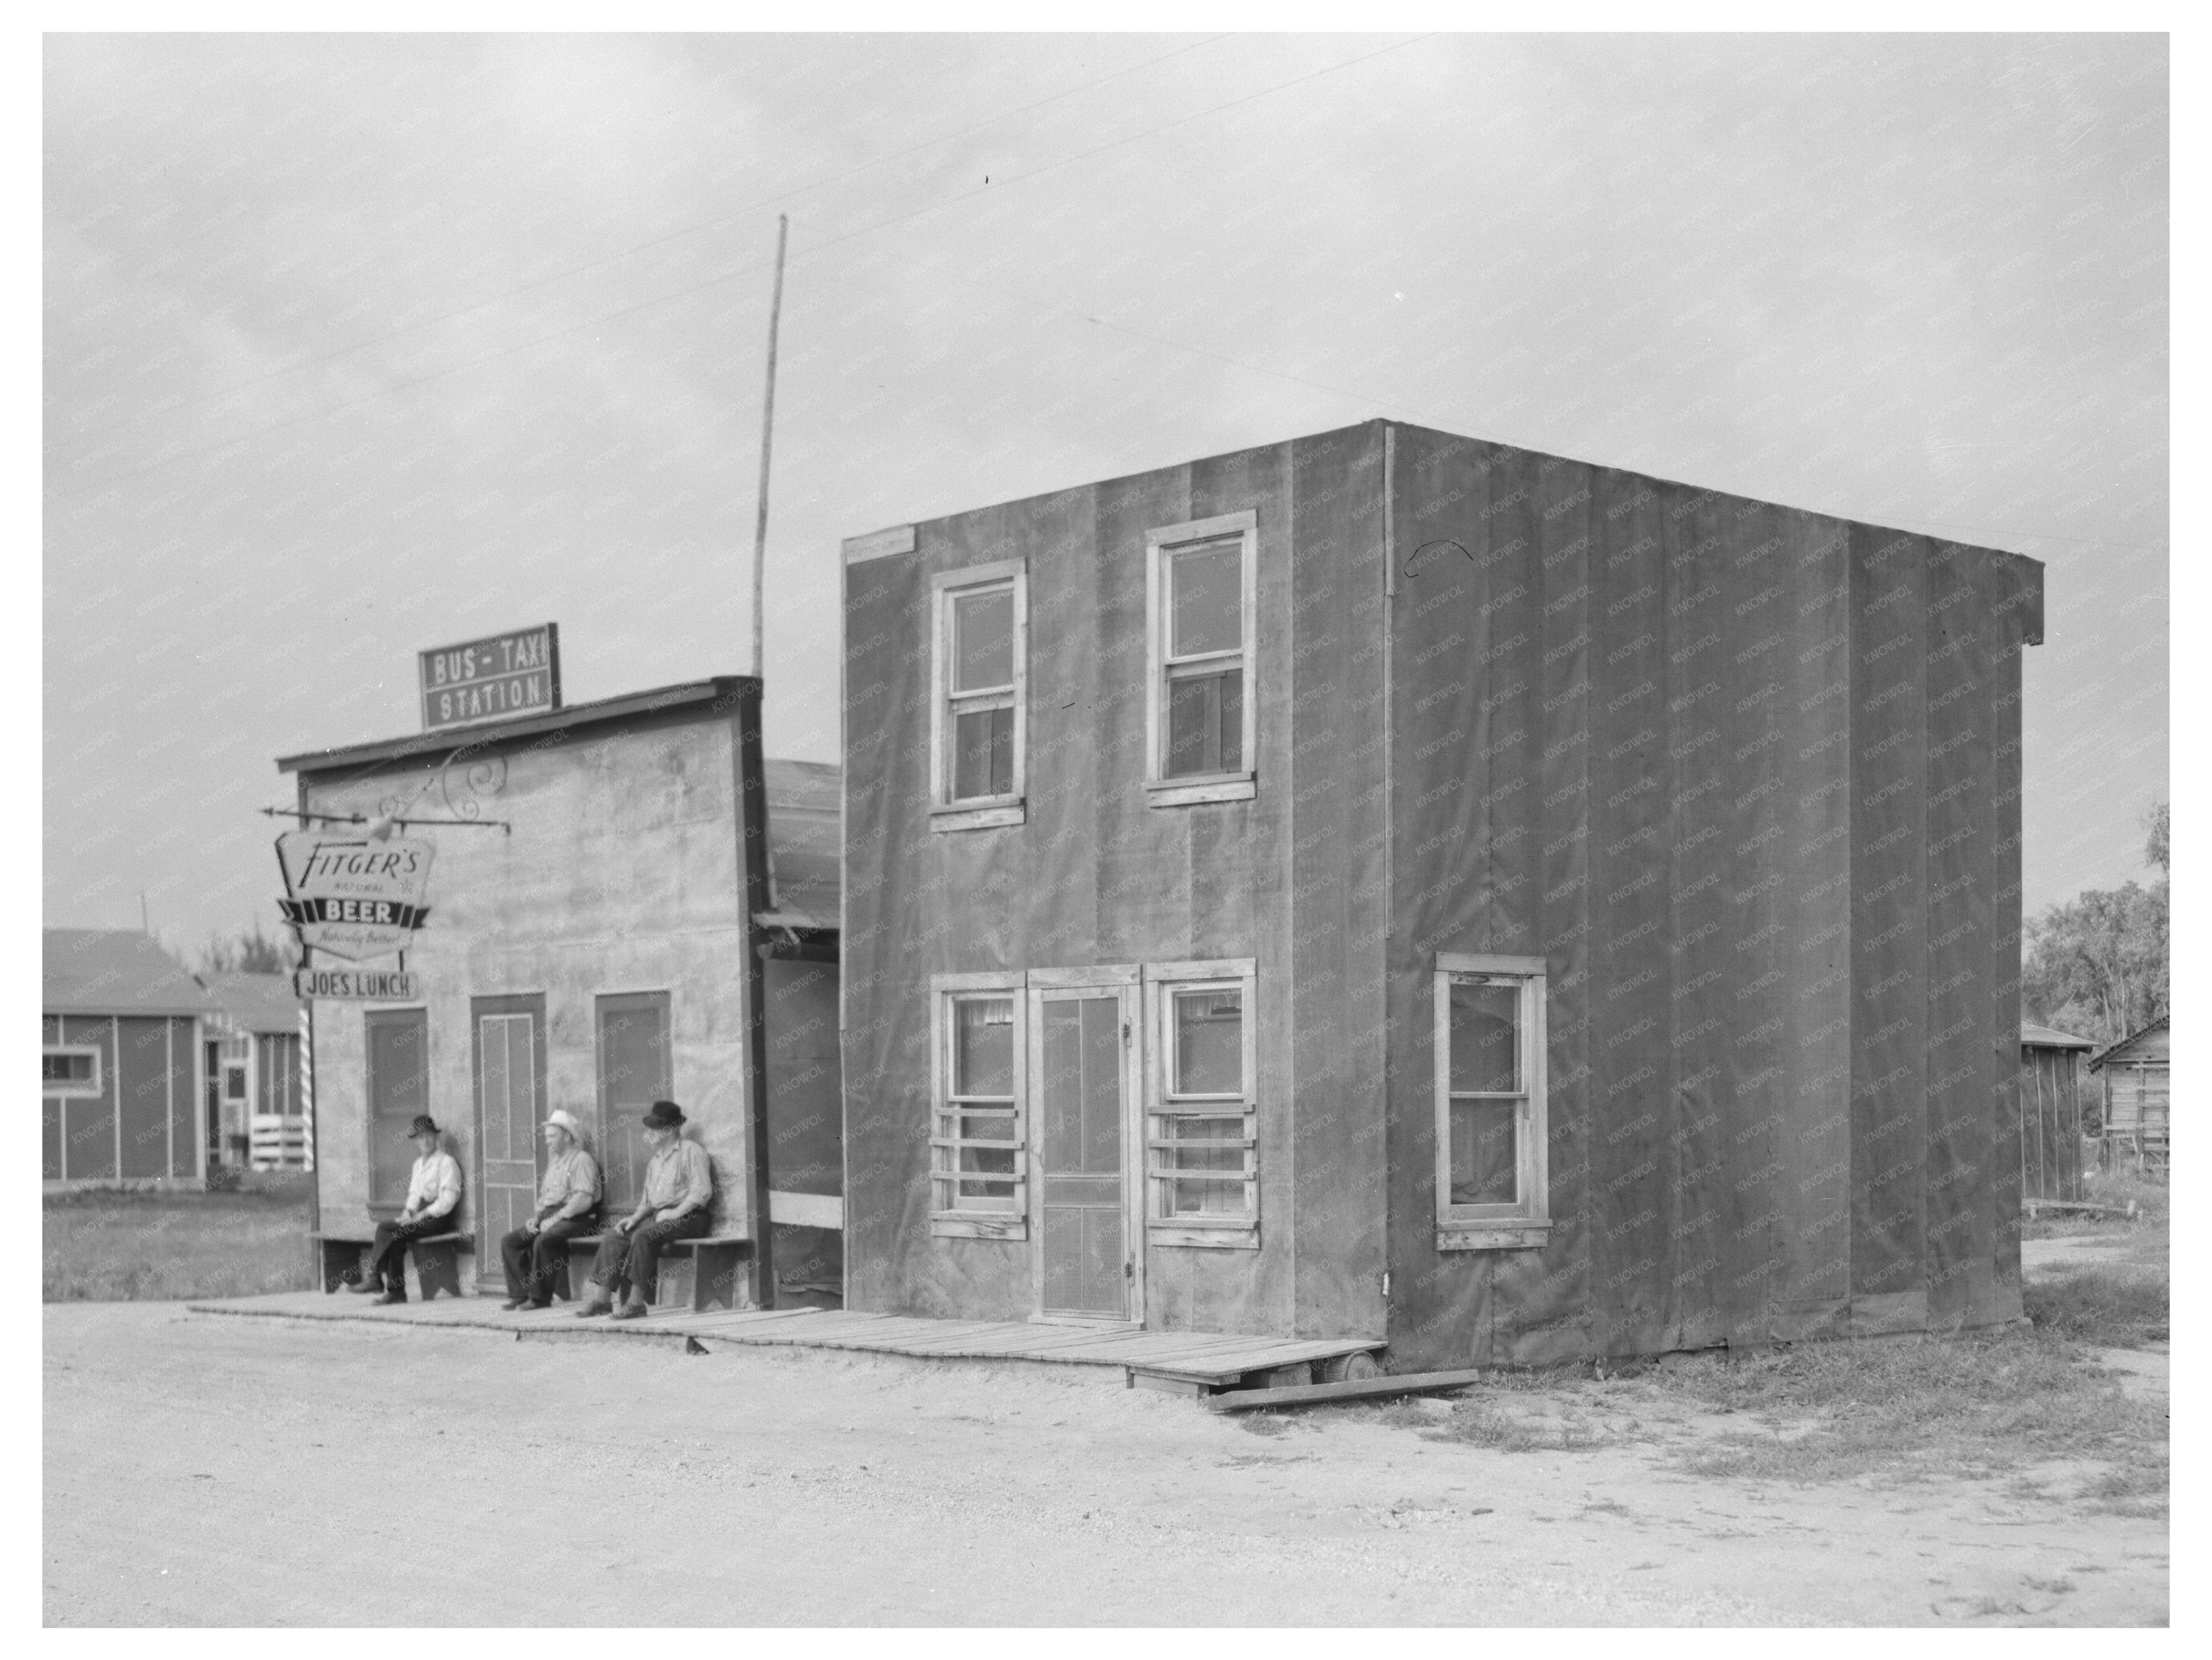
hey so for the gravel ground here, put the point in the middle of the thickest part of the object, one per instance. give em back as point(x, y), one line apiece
point(202, 1469)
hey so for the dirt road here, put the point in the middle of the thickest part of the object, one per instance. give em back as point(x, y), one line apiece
point(208, 1470)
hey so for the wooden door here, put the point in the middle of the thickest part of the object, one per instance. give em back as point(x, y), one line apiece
point(510, 1090)
point(1086, 1261)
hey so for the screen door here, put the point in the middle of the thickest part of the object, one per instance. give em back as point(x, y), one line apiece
point(1080, 1094)
point(510, 1036)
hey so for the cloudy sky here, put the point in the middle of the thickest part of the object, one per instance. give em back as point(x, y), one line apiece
point(356, 345)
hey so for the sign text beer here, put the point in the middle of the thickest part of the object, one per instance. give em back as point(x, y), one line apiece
point(352, 896)
point(494, 678)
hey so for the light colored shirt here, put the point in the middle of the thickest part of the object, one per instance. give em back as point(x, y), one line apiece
point(680, 1178)
point(436, 1187)
point(571, 1186)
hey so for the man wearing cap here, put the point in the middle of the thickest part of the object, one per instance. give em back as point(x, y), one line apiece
point(568, 1204)
point(433, 1200)
point(679, 1191)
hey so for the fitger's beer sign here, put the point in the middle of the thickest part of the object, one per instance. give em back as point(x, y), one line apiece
point(494, 678)
point(351, 895)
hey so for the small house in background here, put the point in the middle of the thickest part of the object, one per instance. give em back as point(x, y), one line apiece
point(659, 918)
point(1396, 886)
point(257, 1099)
point(120, 1062)
point(2136, 1075)
point(2050, 1116)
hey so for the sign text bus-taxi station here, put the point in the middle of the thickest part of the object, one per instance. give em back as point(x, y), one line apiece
point(494, 678)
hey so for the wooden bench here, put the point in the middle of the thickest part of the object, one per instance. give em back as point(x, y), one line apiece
point(437, 1260)
point(705, 1272)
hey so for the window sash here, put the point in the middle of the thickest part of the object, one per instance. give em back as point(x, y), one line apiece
point(951, 701)
point(89, 1084)
point(967, 1182)
point(1207, 1181)
point(1529, 1204)
point(1226, 755)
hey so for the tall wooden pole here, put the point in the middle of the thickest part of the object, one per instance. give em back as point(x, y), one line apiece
point(768, 434)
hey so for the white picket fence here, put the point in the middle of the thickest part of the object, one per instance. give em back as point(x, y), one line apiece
point(277, 1143)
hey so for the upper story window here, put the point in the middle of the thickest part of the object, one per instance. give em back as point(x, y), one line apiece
point(1199, 584)
point(1490, 1165)
point(979, 723)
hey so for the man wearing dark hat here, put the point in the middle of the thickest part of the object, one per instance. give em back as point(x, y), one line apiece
point(679, 1191)
point(434, 1198)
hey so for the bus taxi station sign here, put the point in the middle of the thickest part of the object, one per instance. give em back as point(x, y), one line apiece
point(494, 678)
point(351, 895)
point(358, 985)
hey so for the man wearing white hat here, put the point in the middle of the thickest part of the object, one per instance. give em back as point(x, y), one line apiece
point(568, 1204)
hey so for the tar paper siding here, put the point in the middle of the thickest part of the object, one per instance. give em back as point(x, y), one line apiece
point(143, 1125)
point(623, 874)
point(1098, 876)
point(1748, 778)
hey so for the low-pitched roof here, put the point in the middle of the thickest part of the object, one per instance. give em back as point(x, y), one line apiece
point(116, 971)
point(256, 1002)
point(2135, 1036)
point(2046, 1037)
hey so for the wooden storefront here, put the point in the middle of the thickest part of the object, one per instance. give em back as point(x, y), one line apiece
point(658, 921)
point(1391, 885)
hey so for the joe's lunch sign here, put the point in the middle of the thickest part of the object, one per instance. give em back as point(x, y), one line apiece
point(494, 678)
point(353, 896)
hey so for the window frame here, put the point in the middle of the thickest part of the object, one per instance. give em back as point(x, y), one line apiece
point(606, 1120)
point(73, 1089)
point(1241, 784)
point(977, 811)
point(1526, 1222)
point(951, 1222)
point(1240, 1230)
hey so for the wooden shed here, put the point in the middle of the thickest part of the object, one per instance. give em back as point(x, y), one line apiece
point(2135, 1076)
point(121, 1063)
point(1388, 884)
point(2051, 1121)
point(659, 920)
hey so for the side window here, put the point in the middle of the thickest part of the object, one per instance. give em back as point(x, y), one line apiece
point(979, 720)
point(978, 1116)
point(1200, 588)
point(1490, 1173)
point(70, 1071)
point(1201, 1135)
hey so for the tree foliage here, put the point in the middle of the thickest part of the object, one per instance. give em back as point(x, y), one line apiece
point(250, 952)
point(2098, 965)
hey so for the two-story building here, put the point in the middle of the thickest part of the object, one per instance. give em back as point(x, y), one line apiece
point(1392, 884)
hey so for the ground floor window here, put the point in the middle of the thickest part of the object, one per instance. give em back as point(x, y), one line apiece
point(979, 1130)
point(1202, 1137)
point(635, 1069)
point(397, 1041)
point(1491, 1176)
point(66, 1070)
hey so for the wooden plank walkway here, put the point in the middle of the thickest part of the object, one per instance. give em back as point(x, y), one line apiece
point(1205, 1359)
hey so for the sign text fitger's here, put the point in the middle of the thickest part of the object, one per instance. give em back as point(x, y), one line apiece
point(352, 896)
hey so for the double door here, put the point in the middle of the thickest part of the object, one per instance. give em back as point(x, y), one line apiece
point(1087, 1195)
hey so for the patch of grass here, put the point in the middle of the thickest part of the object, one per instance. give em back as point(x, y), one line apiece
point(1482, 1423)
point(2111, 1307)
point(1978, 1406)
point(123, 1247)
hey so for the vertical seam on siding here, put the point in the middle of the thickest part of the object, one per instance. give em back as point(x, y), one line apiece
point(115, 1047)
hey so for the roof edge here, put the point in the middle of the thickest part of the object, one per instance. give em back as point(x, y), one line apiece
point(629, 706)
